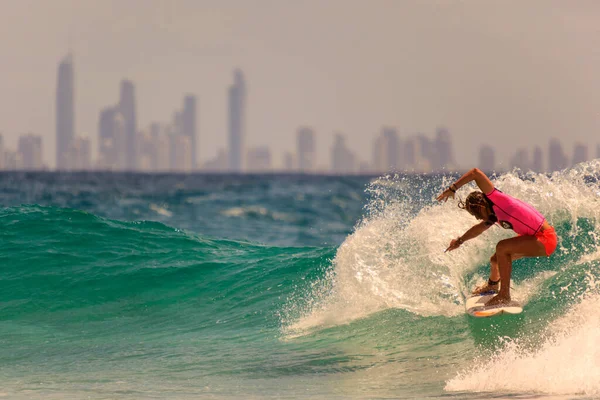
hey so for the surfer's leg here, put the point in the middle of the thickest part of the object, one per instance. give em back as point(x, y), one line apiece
point(508, 250)
point(494, 276)
point(494, 271)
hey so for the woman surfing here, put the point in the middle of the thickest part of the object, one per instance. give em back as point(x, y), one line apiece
point(535, 236)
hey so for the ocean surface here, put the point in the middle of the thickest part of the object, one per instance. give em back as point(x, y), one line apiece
point(135, 286)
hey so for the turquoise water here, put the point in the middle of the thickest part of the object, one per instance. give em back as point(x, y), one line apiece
point(216, 286)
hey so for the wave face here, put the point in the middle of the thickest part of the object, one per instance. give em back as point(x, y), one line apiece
point(172, 286)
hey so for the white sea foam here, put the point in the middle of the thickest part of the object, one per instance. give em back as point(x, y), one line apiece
point(567, 362)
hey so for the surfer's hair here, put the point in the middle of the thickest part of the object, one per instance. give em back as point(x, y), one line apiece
point(474, 202)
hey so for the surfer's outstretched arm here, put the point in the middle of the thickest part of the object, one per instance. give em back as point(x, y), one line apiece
point(473, 232)
point(475, 174)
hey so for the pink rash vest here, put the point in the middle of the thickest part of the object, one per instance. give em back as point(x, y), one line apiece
point(515, 214)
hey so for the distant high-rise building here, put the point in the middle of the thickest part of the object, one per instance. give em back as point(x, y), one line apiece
point(520, 160)
point(112, 140)
point(306, 149)
point(342, 159)
point(259, 160)
point(537, 164)
point(557, 160)
point(391, 149)
point(427, 151)
point(580, 153)
point(598, 151)
point(182, 153)
point(12, 160)
point(218, 164)
point(127, 109)
point(106, 140)
point(81, 153)
point(443, 148)
point(237, 106)
point(2, 155)
point(487, 159)
point(415, 148)
point(30, 150)
point(160, 139)
point(189, 126)
point(65, 112)
point(409, 156)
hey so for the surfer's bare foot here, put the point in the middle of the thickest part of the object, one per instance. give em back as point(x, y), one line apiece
point(486, 288)
point(498, 299)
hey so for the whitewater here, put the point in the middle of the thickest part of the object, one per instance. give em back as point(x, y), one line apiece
point(287, 286)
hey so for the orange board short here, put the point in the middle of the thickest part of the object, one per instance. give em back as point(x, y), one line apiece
point(548, 239)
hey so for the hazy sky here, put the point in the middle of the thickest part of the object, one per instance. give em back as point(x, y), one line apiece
point(504, 73)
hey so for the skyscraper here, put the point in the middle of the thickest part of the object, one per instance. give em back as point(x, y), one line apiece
point(188, 127)
point(81, 153)
point(127, 108)
point(415, 148)
point(305, 147)
point(111, 140)
point(520, 160)
point(65, 112)
point(30, 150)
point(390, 146)
point(343, 160)
point(237, 106)
point(259, 160)
point(443, 147)
point(2, 156)
point(580, 153)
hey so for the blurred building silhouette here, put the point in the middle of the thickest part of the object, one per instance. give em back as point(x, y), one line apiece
point(2, 154)
point(487, 158)
point(65, 113)
point(444, 157)
point(417, 153)
point(343, 160)
point(259, 160)
point(112, 140)
point(181, 160)
point(386, 151)
point(218, 164)
point(557, 160)
point(127, 109)
point(580, 153)
point(189, 126)
point(237, 107)
point(306, 150)
point(30, 151)
point(521, 160)
point(80, 154)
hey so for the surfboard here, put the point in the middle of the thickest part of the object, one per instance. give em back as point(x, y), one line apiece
point(475, 306)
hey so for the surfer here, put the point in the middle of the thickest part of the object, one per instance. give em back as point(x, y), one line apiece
point(535, 236)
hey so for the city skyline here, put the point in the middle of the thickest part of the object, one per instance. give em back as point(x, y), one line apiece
point(497, 73)
point(173, 146)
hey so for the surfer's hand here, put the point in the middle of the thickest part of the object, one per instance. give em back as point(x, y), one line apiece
point(454, 244)
point(445, 194)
